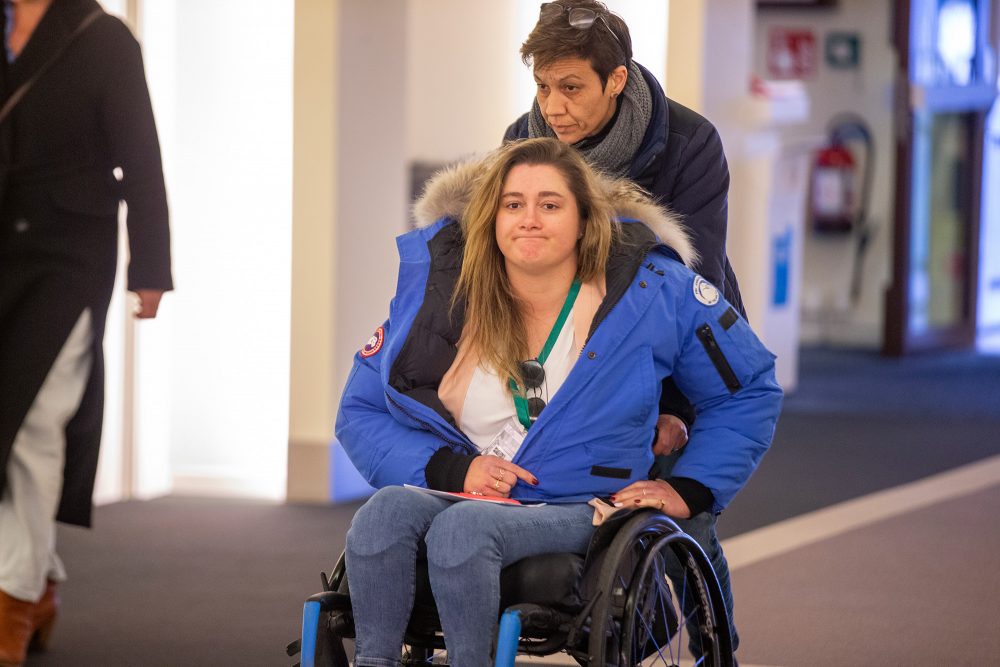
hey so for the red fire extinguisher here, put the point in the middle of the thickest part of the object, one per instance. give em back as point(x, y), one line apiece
point(834, 196)
point(838, 200)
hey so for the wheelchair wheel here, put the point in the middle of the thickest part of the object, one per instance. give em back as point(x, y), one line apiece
point(638, 619)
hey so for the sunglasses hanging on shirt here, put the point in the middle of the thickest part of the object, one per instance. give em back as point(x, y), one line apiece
point(533, 370)
point(533, 376)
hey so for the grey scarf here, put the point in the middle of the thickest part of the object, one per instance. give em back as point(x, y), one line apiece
point(615, 152)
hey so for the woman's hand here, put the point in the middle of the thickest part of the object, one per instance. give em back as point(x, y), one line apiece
point(149, 303)
point(494, 476)
point(671, 435)
point(655, 493)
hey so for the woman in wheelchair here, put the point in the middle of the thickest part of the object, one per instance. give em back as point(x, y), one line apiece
point(535, 317)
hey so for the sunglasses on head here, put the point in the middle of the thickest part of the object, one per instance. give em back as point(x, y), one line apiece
point(533, 376)
point(580, 18)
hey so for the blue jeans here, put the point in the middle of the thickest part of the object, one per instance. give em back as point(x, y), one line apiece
point(702, 528)
point(468, 543)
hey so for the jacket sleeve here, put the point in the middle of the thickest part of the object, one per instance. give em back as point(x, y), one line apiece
point(700, 195)
point(383, 449)
point(129, 128)
point(673, 402)
point(729, 376)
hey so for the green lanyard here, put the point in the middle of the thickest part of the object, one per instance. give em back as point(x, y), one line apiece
point(520, 402)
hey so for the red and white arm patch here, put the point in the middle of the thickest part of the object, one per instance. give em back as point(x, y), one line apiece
point(374, 344)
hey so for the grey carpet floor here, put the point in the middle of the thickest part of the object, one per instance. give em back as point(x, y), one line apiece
point(919, 589)
point(179, 581)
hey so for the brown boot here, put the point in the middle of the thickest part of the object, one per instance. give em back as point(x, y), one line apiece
point(17, 624)
point(45, 618)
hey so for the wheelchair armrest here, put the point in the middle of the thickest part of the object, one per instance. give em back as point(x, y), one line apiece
point(606, 532)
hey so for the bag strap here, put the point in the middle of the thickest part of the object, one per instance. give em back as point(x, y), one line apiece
point(26, 86)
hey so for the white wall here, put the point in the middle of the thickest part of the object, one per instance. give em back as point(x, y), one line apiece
point(313, 388)
point(372, 174)
point(212, 373)
point(460, 76)
point(827, 315)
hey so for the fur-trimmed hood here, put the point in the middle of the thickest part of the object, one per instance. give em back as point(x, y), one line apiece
point(447, 194)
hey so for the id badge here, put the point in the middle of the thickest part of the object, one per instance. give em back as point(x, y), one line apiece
point(507, 441)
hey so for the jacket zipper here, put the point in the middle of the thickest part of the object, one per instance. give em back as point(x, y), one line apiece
point(718, 358)
point(433, 428)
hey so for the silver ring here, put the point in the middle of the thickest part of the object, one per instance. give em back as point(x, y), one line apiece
point(644, 493)
point(496, 485)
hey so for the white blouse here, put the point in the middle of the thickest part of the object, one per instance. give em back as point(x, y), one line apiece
point(489, 405)
point(480, 401)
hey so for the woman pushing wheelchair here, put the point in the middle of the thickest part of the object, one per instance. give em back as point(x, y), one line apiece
point(535, 318)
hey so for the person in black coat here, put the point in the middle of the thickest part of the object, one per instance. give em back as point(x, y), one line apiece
point(591, 94)
point(79, 139)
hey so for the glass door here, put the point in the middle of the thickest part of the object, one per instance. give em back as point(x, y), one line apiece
point(946, 86)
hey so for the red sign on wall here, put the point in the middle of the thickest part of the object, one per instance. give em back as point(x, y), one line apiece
point(791, 53)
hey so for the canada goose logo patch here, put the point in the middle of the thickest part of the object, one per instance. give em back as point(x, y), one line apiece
point(374, 344)
point(705, 291)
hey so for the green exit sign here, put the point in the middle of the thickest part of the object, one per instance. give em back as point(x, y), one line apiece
point(843, 50)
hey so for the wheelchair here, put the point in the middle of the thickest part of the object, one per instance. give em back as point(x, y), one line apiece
point(613, 607)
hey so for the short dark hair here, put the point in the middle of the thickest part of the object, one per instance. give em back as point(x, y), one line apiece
point(553, 38)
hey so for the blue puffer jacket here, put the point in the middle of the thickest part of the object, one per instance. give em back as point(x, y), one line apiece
point(593, 438)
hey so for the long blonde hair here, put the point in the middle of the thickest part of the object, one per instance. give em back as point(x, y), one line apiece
point(494, 326)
